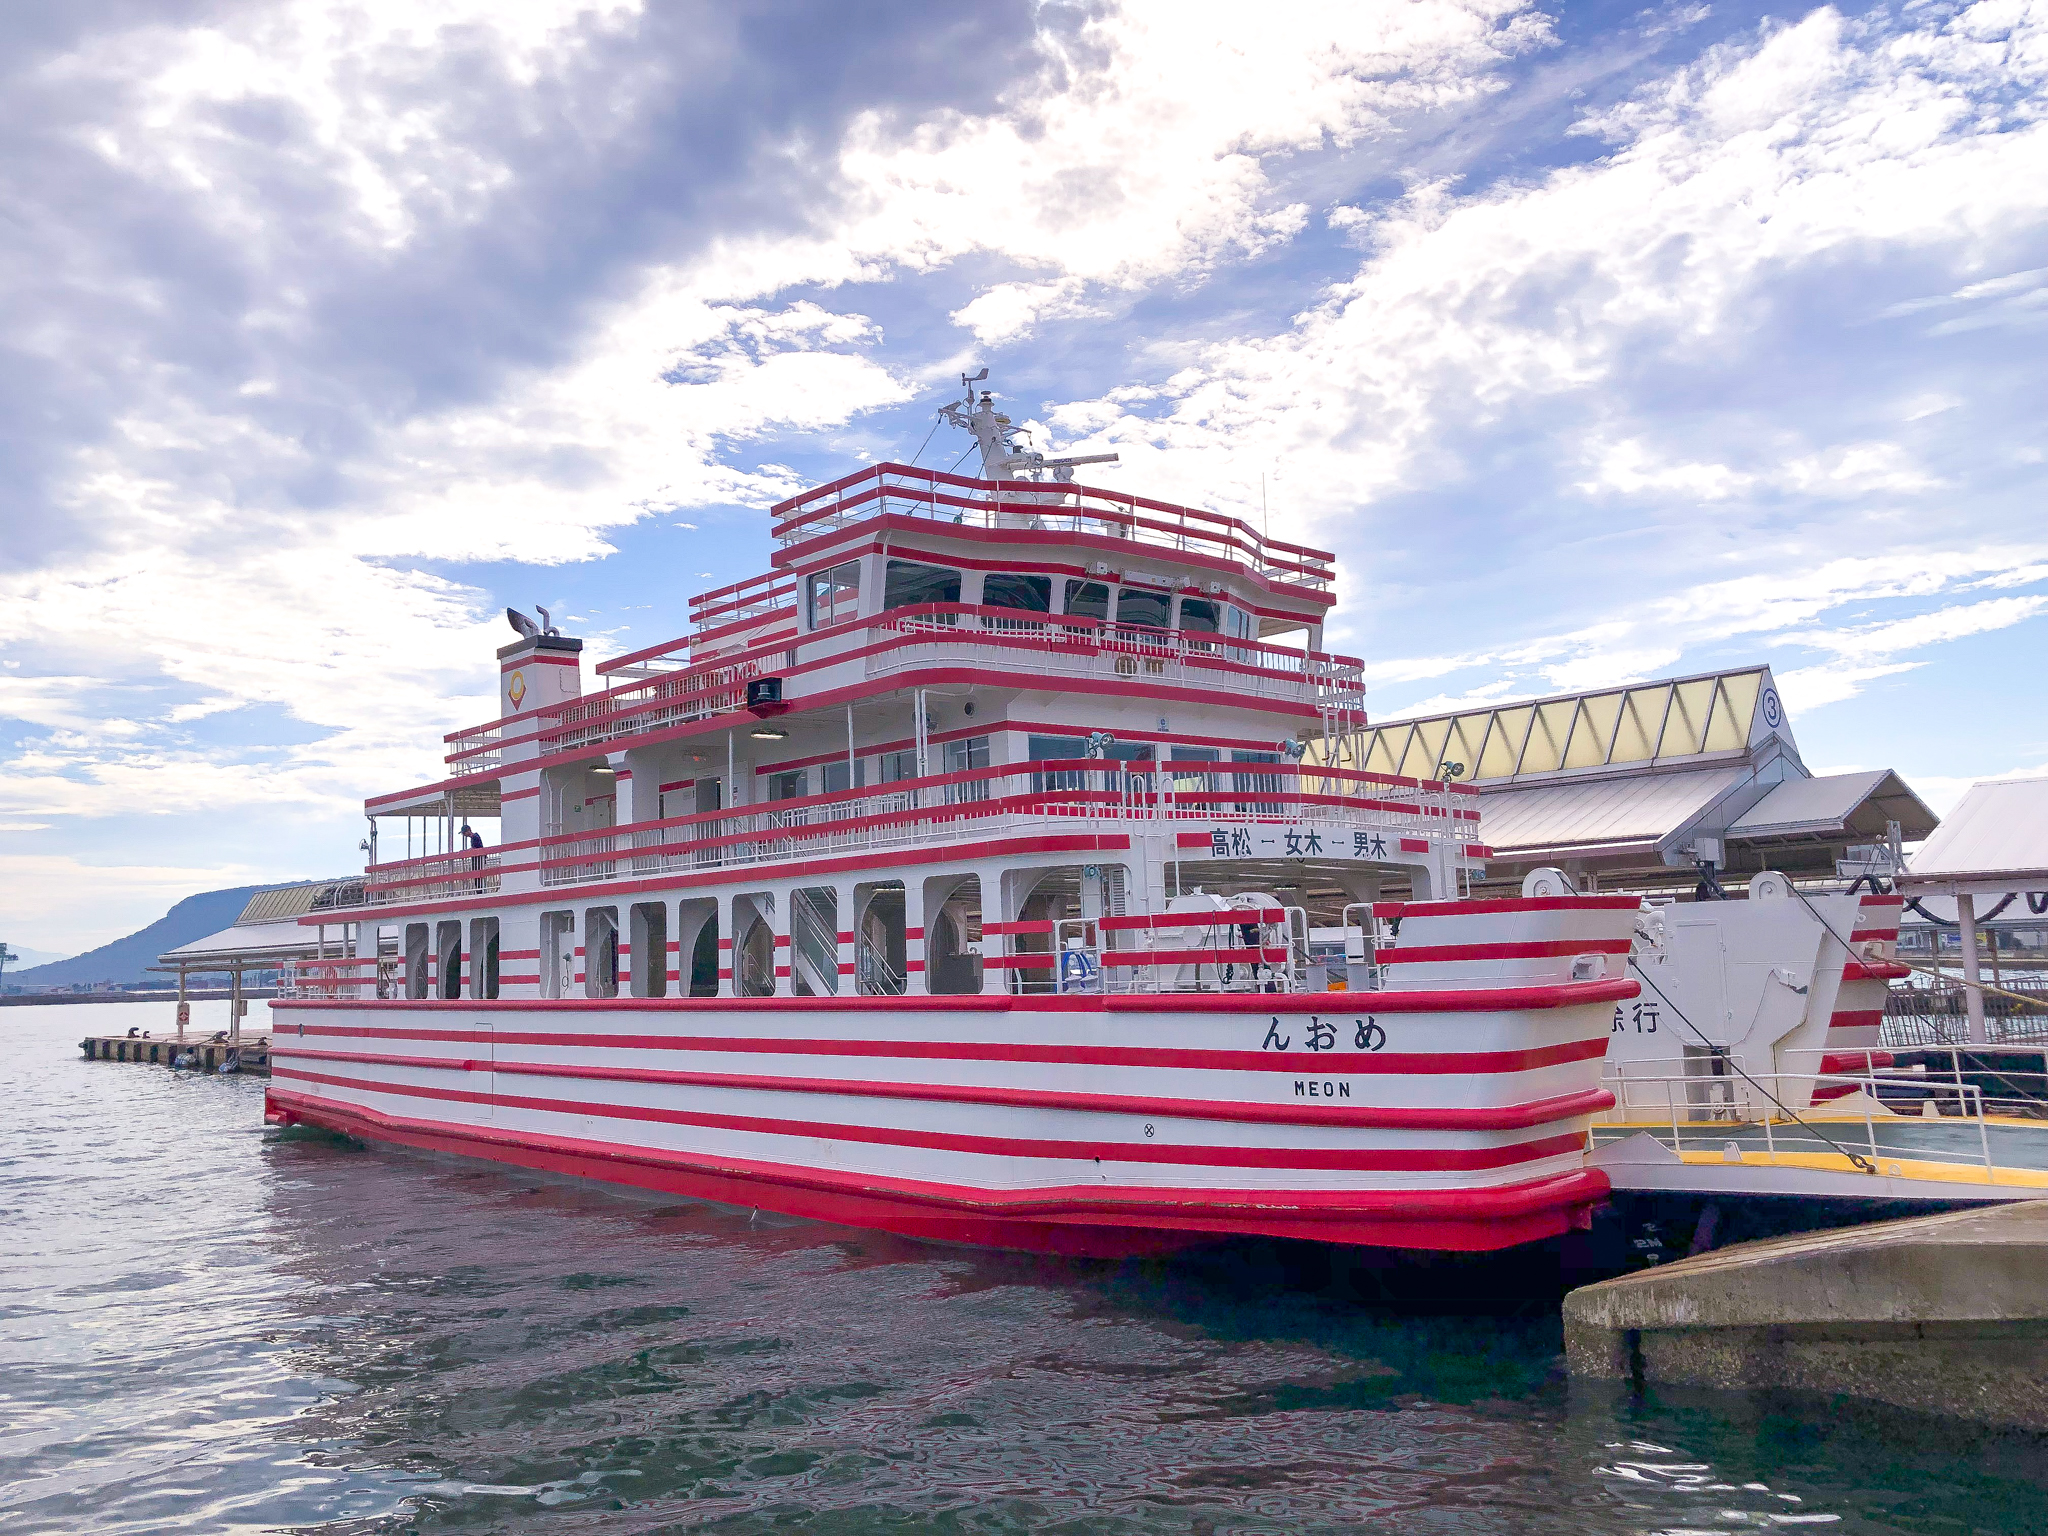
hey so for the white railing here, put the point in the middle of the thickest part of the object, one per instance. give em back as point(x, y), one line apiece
point(1347, 816)
point(1061, 647)
point(435, 877)
point(1744, 1119)
point(1052, 645)
point(1251, 810)
point(958, 501)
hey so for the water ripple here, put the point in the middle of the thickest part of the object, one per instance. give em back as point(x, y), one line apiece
point(212, 1327)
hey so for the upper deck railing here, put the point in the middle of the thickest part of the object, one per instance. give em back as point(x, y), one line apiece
point(1347, 805)
point(1028, 644)
point(1036, 505)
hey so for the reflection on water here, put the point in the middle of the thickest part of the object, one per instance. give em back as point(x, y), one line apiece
point(209, 1326)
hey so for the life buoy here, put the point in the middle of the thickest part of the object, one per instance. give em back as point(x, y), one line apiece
point(325, 981)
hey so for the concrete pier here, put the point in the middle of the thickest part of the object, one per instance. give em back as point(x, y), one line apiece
point(1948, 1314)
point(163, 1050)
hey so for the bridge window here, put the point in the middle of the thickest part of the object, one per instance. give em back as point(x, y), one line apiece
point(908, 583)
point(1200, 615)
point(1142, 605)
point(835, 594)
point(1088, 600)
point(1032, 594)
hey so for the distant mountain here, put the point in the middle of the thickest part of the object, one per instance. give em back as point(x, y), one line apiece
point(27, 956)
point(126, 960)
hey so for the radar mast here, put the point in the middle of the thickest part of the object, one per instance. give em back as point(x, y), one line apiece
point(1006, 451)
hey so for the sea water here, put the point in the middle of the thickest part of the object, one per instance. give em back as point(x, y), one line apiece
point(207, 1325)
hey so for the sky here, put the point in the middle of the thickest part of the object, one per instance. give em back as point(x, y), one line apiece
point(1600, 342)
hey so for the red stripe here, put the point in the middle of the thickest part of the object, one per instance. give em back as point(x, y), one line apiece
point(541, 659)
point(1318, 1159)
point(1472, 906)
point(1079, 1220)
point(1414, 845)
point(1347, 1063)
point(1861, 1018)
point(1273, 956)
point(1508, 1117)
point(1534, 949)
point(1875, 970)
point(1556, 994)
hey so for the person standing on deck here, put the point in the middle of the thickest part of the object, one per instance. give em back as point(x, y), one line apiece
point(474, 840)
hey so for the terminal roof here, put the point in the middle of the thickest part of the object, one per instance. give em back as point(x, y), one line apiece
point(1995, 840)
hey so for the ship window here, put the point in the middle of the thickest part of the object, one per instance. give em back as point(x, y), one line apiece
point(483, 957)
point(835, 776)
point(448, 955)
point(557, 953)
point(908, 584)
point(1266, 786)
point(793, 785)
point(1043, 747)
point(415, 959)
point(1142, 605)
point(1192, 780)
point(1088, 599)
point(1056, 749)
point(969, 753)
point(1199, 614)
point(704, 955)
point(961, 756)
point(897, 766)
point(835, 594)
point(650, 949)
point(1033, 594)
point(601, 952)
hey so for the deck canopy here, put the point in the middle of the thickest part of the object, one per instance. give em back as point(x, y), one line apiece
point(1631, 786)
point(1835, 808)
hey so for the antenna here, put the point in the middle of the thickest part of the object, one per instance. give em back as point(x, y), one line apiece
point(1006, 453)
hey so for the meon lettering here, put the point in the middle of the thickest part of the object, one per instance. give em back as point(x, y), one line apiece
point(1326, 1089)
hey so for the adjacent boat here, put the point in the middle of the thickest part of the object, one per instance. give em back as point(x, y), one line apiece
point(969, 875)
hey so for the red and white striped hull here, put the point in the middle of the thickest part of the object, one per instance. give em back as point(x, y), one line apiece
point(1449, 1118)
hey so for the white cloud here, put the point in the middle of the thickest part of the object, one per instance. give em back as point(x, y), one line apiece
point(55, 901)
point(1151, 163)
point(1821, 140)
point(236, 555)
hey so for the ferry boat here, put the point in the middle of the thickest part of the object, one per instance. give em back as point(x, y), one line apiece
point(976, 873)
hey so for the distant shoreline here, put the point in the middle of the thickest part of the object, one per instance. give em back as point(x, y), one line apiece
point(209, 994)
